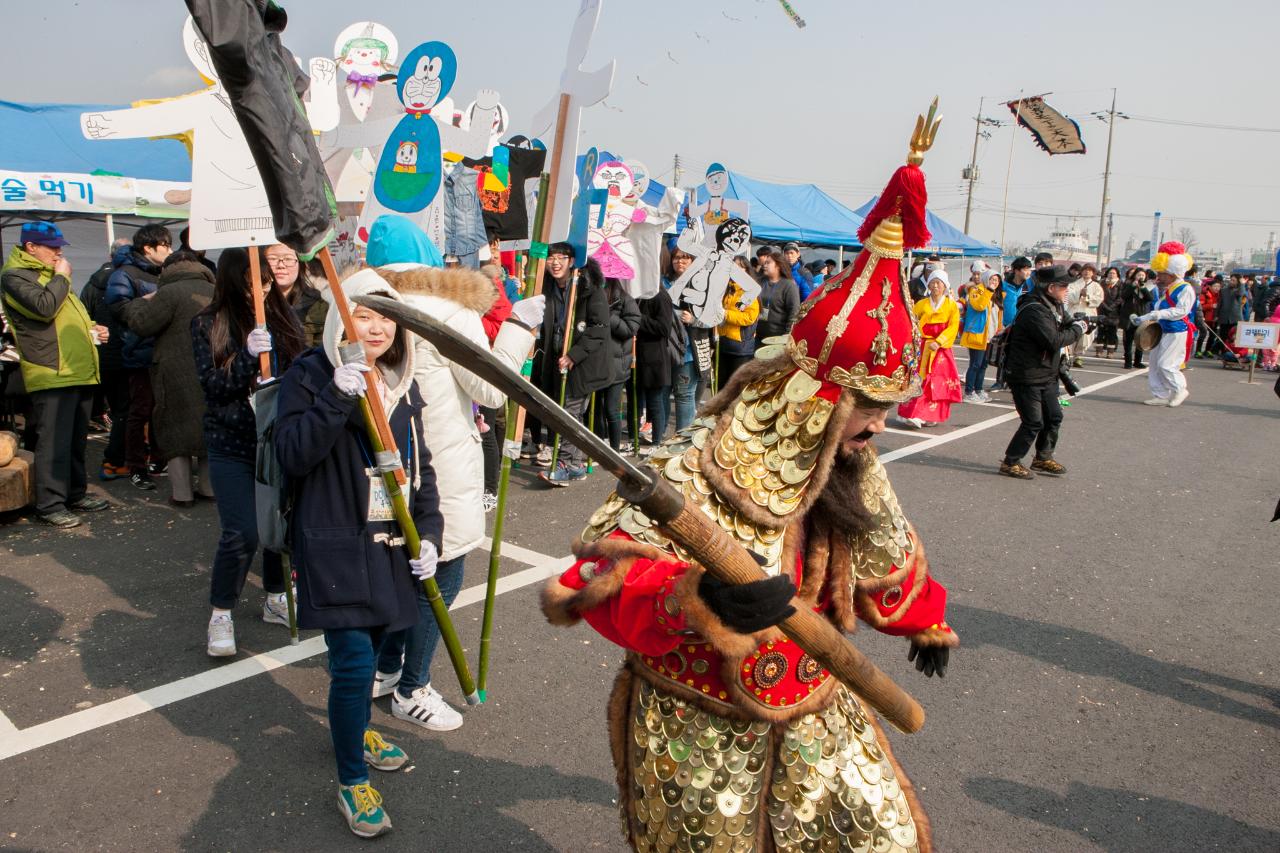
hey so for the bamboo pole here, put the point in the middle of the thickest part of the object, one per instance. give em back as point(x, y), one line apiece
point(384, 447)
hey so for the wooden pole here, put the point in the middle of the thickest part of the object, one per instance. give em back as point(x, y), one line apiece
point(259, 307)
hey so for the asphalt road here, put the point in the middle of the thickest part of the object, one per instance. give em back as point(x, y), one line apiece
point(1115, 689)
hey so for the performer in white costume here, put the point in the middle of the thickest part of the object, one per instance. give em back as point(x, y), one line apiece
point(1173, 312)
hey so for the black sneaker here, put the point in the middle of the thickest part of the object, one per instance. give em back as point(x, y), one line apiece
point(88, 504)
point(155, 469)
point(143, 482)
point(59, 518)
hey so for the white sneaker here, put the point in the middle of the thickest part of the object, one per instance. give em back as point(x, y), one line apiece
point(984, 397)
point(1179, 398)
point(543, 458)
point(426, 708)
point(275, 609)
point(1155, 401)
point(912, 423)
point(971, 397)
point(489, 502)
point(384, 683)
point(222, 636)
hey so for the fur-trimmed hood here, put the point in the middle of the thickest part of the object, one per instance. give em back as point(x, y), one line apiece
point(468, 288)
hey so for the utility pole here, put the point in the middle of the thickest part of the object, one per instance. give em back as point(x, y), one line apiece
point(1106, 177)
point(1111, 235)
point(973, 165)
point(675, 180)
point(1004, 217)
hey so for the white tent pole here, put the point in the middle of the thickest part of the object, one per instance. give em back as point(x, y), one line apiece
point(111, 231)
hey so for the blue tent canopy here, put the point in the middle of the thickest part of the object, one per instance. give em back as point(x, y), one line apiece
point(947, 239)
point(800, 212)
point(47, 138)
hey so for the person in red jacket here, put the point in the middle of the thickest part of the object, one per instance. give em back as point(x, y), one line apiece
point(725, 734)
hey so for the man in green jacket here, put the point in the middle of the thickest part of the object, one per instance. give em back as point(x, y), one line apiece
point(56, 340)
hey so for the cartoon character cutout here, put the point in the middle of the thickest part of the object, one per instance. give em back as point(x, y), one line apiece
point(228, 203)
point(717, 209)
point(366, 52)
point(702, 288)
point(425, 78)
point(607, 239)
point(586, 207)
point(407, 157)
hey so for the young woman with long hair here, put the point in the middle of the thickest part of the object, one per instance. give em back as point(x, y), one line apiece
point(226, 345)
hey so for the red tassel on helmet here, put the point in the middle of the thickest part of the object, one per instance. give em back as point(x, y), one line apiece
point(905, 197)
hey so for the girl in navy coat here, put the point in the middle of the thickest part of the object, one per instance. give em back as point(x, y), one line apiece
point(355, 580)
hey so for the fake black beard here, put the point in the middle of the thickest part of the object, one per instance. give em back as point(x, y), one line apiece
point(840, 504)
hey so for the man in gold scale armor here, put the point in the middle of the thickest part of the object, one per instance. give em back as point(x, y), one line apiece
point(726, 735)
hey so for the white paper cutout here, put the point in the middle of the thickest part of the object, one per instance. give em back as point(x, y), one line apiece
point(717, 209)
point(702, 287)
point(584, 89)
point(607, 240)
point(228, 203)
point(411, 189)
point(646, 237)
point(364, 51)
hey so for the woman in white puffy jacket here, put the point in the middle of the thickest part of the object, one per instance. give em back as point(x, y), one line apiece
point(458, 298)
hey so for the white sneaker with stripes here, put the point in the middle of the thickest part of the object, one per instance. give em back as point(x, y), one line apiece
point(426, 707)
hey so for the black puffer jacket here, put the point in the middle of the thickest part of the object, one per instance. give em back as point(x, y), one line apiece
point(1039, 333)
point(624, 321)
point(592, 368)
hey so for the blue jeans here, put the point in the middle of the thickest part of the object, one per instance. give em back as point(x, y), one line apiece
point(977, 372)
point(657, 402)
point(233, 479)
point(418, 643)
point(690, 383)
point(352, 652)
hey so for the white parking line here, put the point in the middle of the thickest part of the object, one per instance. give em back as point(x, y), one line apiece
point(15, 741)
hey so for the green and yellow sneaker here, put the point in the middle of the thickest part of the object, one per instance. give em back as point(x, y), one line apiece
point(361, 805)
point(381, 755)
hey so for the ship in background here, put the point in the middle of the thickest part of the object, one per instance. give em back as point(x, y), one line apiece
point(1067, 245)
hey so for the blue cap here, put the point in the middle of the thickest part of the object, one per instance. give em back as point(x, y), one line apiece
point(715, 167)
point(42, 234)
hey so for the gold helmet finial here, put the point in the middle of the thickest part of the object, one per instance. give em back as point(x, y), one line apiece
point(926, 131)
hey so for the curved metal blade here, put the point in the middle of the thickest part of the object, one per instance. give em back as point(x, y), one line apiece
point(480, 361)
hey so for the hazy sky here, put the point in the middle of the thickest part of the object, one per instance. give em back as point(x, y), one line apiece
point(834, 103)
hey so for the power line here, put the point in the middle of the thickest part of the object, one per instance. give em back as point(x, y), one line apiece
point(1201, 124)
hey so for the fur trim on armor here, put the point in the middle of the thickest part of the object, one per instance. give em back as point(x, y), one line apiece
point(614, 549)
point(621, 699)
point(936, 637)
point(564, 606)
point(924, 832)
point(468, 288)
point(727, 396)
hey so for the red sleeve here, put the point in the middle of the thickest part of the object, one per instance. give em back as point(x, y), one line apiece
point(638, 616)
point(908, 603)
point(497, 315)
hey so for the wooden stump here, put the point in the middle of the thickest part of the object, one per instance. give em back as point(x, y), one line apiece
point(17, 482)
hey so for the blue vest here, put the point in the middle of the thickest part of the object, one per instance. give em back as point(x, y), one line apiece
point(1170, 300)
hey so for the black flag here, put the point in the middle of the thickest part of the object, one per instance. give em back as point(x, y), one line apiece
point(265, 86)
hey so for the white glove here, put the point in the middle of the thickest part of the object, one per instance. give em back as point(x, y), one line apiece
point(1139, 319)
point(530, 311)
point(258, 342)
point(349, 378)
point(424, 567)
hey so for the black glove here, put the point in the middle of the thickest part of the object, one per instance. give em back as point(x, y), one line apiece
point(930, 659)
point(749, 607)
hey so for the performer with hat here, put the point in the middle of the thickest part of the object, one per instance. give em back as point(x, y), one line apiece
point(1173, 312)
point(725, 734)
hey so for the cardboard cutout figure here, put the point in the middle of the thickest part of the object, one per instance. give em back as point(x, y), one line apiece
point(228, 204)
point(645, 234)
point(717, 209)
point(365, 52)
point(583, 89)
point(588, 206)
point(411, 188)
point(614, 212)
point(702, 287)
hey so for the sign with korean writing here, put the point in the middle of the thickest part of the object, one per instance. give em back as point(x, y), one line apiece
point(1053, 131)
point(1258, 335)
point(65, 192)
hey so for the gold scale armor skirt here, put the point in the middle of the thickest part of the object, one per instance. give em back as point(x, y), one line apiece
point(699, 782)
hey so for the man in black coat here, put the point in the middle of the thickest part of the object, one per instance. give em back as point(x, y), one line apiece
point(1032, 360)
point(587, 365)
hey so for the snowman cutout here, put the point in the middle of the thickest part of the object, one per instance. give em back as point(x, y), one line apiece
point(702, 288)
point(228, 203)
point(366, 52)
point(607, 240)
